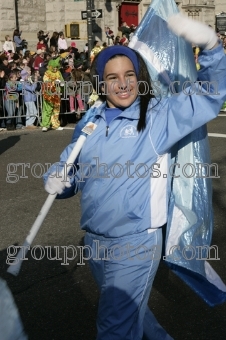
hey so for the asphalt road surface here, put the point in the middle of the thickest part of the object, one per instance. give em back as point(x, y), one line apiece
point(58, 301)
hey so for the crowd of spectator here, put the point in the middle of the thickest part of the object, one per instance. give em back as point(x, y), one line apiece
point(125, 33)
point(22, 76)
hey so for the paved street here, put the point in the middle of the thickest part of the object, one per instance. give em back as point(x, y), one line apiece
point(58, 301)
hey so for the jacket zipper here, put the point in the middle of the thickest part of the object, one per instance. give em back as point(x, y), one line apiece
point(107, 128)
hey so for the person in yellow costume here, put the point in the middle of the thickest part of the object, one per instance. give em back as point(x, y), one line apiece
point(51, 96)
point(95, 50)
point(197, 51)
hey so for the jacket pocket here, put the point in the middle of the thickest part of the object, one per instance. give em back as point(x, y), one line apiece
point(118, 211)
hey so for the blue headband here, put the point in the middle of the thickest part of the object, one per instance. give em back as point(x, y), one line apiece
point(109, 52)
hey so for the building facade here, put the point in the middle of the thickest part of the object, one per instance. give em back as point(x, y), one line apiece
point(53, 15)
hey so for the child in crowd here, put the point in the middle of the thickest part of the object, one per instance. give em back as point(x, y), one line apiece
point(41, 45)
point(8, 45)
point(17, 40)
point(11, 101)
point(76, 103)
point(62, 43)
point(30, 98)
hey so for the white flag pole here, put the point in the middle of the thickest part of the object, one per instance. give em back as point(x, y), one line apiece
point(14, 267)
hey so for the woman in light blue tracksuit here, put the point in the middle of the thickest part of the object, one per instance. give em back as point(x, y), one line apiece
point(121, 172)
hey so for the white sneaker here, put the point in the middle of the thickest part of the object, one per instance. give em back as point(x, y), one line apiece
point(44, 129)
point(60, 128)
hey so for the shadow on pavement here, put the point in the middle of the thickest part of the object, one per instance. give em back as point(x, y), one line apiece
point(8, 143)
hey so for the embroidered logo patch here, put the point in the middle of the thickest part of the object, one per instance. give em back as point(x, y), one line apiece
point(128, 131)
point(89, 128)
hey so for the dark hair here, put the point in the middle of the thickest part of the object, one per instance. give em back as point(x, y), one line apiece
point(77, 75)
point(27, 53)
point(16, 57)
point(73, 50)
point(95, 42)
point(4, 58)
point(143, 76)
point(16, 32)
point(12, 73)
point(55, 35)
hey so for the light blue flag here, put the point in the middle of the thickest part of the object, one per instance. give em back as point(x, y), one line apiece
point(190, 221)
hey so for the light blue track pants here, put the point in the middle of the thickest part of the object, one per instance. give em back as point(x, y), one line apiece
point(124, 269)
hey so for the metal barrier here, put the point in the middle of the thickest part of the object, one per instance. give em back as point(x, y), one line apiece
point(12, 105)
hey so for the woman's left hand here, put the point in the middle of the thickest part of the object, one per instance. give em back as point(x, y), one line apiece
point(193, 31)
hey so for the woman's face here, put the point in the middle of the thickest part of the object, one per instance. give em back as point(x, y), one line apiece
point(121, 82)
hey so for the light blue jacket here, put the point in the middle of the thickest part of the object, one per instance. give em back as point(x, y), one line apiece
point(29, 91)
point(122, 176)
